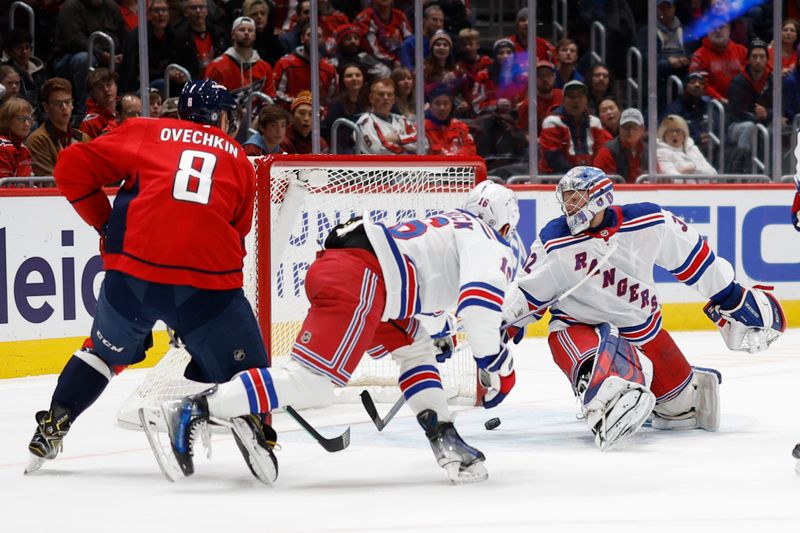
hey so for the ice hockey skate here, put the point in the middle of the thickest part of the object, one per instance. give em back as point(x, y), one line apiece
point(256, 440)
point(52, 427)
point(463, 463)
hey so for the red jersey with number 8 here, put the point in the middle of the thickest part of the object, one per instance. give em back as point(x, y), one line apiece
point(184, 207)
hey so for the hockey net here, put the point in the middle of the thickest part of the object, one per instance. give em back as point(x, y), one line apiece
point(307, 196)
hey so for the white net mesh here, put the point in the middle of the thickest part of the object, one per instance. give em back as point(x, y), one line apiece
point(309, 196)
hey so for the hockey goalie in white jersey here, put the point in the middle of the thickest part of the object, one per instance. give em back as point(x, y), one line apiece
point(606, 334)
point(366, 288)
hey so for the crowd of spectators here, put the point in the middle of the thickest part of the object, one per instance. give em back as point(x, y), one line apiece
point(475, 83)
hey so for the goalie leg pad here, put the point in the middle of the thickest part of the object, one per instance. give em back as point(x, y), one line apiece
point(617, 400)
point(572, 349)
point(697, 405)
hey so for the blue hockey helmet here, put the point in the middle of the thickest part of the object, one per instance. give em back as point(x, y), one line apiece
point(205, 101)
point(595, 187)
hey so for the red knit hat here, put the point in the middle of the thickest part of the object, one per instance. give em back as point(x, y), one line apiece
point(302, 98)
point(343, 31)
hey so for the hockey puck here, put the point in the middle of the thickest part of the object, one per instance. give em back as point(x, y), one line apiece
point(492, 423)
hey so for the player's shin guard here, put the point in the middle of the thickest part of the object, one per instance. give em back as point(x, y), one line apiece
point(422, 388)
point(617, 400)
point(696, 406)
point(462, 462)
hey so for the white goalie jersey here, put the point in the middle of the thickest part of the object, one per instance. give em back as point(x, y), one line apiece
point(433, 264)
point(622, 291)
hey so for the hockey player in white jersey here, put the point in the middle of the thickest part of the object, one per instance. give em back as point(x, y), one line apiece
point(606, 334)
point(365, 289)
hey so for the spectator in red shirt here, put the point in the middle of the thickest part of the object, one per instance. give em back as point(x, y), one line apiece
point(293, 73)
point(16, 119)
point(383, 29)
point(470, 62)
point(348, 50)
point(446, 135)
point(197, 42)
point(547, 97)
point(271, 125)
point(240, 69)
point(503, 80)
point(440, 69)
point(298, 134)
point(626, 154)
point(722, 59)
point(128, 10)
point(789, 39)
point(570, 136)
point(544, 49)
point(102, 104)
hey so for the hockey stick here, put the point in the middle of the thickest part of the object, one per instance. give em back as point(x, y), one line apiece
point(612, 247)
point(335, 444)
point(372, 411)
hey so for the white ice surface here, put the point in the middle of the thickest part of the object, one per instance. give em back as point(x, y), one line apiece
point(545, 472)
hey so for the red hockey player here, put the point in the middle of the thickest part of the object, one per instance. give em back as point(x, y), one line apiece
point(191, 177)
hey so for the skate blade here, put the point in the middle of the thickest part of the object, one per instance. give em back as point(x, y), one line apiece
point(474, 473)
point(34, 463)
point(150, 419)
point(797, 467)
point(262, 464)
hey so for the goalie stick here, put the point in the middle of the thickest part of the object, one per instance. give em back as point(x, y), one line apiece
point(612, 247)
point(335, 444)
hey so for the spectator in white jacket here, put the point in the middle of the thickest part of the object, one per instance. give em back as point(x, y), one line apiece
point(677, 153)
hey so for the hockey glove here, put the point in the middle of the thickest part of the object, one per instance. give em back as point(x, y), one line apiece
point(749, 319)
point(496, 374)
point(446, 340)
point(795, 212)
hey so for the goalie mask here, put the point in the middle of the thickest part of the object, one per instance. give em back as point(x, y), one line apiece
point(597, 193)
point(494, 204)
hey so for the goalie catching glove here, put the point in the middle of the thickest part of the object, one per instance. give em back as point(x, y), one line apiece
point(496, 374)
point(749, 319)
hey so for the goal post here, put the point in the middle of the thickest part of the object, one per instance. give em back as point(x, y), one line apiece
point(299, 199)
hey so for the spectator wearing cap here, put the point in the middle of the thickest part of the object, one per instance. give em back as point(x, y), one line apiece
point(504, 79)
point(160, 52)
point(348, 51)
point(350, 101)
point(547, 96)
point(77, 20)
point(101, 106)
point(17, 53)
point(383, 30)
point(293, 73)
point(791, 92)
point(677, 152)
point(692, 106)
point(56, 133)
point(750, 98)
point(470, 61)
point(567, 53)
point(16, 120)
point(384, 132)
point(544, 49)
point(197, 42)
point(721, 59)
point(570, 136)
point(267, 44)
point(298, 134)
point(440, 71)
point(446, 135)
point(170, 108)
point(625, 154)
point(271, 125)
point(432, 22)
point(671, 59)
point(240, 69)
